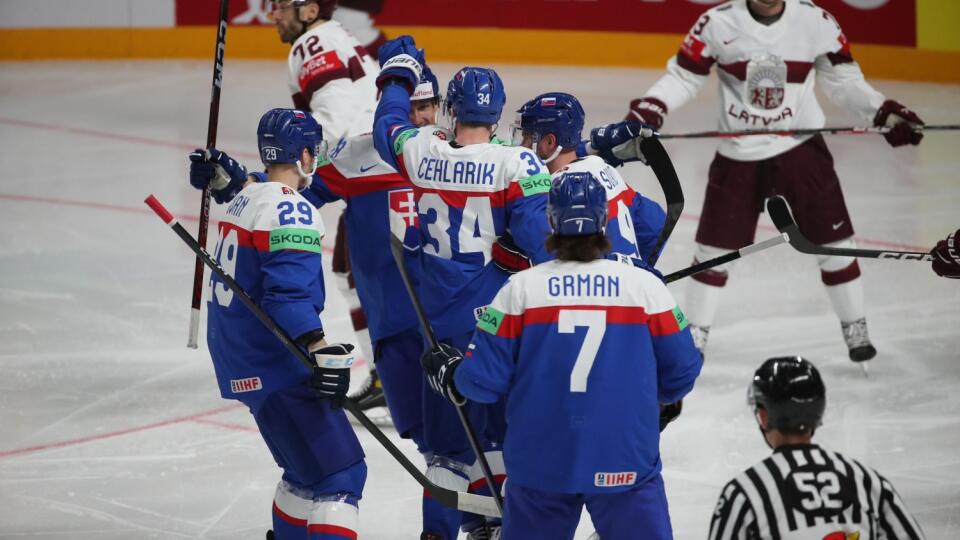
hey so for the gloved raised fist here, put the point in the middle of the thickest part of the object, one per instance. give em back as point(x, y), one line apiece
point(648, 110)
point(400, 59)
point(218, 170)
point(440, 364)
point(331, 376)
point(620, 143)
point(902, 121)
point(946, 256)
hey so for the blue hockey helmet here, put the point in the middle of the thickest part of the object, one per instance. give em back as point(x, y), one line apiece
point(476, 95)
point(554, 112)
point(284, 133)
point(577, 205)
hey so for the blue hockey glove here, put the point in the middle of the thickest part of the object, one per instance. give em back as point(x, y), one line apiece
point(400, 59)
point(218, 170)
point(669, 412)
point(508, 257)
point(619, 143)
point(331, 376)
point(440, 365)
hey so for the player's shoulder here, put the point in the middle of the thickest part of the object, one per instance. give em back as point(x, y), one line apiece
point(357, 156)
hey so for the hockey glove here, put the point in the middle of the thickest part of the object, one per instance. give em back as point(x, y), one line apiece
point(440, 365)
point(946, 257)
point(669, 412)
point(400, 59)
point(620, 143)
point(508, 257)
point(331, 376)
point(648, 110)
point(218, 170)
point(902, 122)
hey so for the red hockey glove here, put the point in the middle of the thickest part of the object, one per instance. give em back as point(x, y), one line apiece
point(508, 256)
point(946, 257)
point(648, 110)
point(902, 122)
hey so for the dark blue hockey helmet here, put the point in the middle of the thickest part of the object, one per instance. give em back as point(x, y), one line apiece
point(790, 389)
point(577, 205)
point(476, 95)
point(284, 133)
point(554, 112)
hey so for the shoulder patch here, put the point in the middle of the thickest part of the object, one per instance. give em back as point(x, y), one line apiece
point(402, 139)
point(533, 185)
point(681, 318)
point(490, 320)
point(296, 239)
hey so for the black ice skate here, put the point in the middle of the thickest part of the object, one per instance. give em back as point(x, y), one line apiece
point(370, 393)
point(858, 341)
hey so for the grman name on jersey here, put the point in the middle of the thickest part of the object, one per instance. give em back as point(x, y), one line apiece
point(462, 172)
point(578, 285)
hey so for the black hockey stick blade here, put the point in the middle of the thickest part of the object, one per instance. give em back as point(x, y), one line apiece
point(780, 214)
point(659, 162)
point(723, 259)
point(467, 502)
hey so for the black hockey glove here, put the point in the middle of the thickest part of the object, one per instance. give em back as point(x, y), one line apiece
point(508, 257)
point(440, 365)
point(221, 172)
point(669, 412)
point(331, 375)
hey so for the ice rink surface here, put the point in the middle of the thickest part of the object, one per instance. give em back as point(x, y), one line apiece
point(112, 429)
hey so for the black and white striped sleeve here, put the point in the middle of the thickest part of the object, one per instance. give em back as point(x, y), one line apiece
point(896, 522)
point(733, 515)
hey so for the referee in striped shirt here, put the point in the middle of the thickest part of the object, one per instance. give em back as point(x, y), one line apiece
point(803, 491)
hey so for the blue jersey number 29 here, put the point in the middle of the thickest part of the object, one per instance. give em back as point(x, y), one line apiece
point(303, 208)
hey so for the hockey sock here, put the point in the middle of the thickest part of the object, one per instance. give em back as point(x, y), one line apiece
point(703, 291)
point(334, 517)
point(479, 486)
point(841, 276)
point(438, 519)
point(291, 512)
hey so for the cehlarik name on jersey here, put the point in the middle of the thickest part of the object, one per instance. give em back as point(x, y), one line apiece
point(614, 479)
point(238, 204)
point(239, 386)
point(579, 285)
point(461, 172)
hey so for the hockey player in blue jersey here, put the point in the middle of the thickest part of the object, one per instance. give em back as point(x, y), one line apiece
point(572, 344)
point(551, 125)
point(469, 192)
point(269, 241)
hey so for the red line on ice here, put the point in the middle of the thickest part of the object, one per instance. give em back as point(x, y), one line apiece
point(226, 425)
point(118, 433)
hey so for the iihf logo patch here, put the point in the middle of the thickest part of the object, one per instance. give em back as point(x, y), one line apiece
point(239, 386)
point(614, 479)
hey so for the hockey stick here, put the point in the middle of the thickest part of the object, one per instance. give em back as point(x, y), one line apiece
point(659, 162)
point(723, 259)
point(799, 132)
point(396, 247)
point(780, 214)
point(466, 502)
point(212, 120)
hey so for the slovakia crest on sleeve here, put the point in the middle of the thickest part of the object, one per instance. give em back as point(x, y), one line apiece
point(404, 206)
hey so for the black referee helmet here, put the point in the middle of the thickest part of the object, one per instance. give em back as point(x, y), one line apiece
point(790, 389)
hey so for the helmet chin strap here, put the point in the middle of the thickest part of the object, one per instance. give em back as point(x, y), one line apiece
point(554, 155)
point(306, 177)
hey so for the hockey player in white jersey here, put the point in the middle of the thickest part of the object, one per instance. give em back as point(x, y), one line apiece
point(769, 54)
point(804, 491)
point(469, 192)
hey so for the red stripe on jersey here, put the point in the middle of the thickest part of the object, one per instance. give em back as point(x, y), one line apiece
point(288, 518)
point(700, 68)
point(659, 324)
point(346, 187)
point(316, 72)
point(843, 55)
point(458, 199)
point(334, 530)
point(613, 208)
point(259, 240)
point(796, 71)
point(477, 485)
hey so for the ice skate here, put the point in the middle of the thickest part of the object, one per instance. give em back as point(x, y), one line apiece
point(858, 341)
point(488, 532)
point(370, 393)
